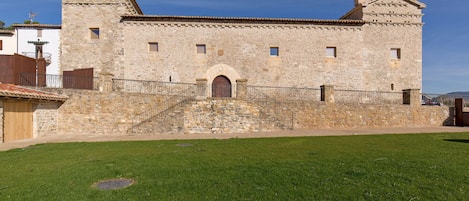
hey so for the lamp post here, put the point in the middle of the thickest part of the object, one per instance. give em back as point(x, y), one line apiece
point(38, 54)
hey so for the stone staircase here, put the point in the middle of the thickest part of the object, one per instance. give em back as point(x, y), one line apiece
point(217, 116)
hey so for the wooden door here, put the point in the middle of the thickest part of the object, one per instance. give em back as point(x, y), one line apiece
point(18, 121)
point(221, 87)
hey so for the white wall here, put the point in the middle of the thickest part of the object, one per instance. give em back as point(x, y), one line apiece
point(51, 35)
point(9, 44)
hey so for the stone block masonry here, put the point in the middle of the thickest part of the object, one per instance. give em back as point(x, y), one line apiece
point(45, 118)
point(102, 113)
point(113, 113)
point(1, 121)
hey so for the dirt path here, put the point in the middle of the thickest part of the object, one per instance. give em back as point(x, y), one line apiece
point(294, 133)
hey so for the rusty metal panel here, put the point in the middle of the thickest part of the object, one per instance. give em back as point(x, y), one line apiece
point(78, 79)
point(11, 66)
point(6, 69)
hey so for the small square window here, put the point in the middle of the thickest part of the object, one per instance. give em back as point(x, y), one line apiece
point(94, 33)
point(331, 52)
point(274, 51)
point(395, 53)
point(39, 33)
point(153, 47)
point(201, 49)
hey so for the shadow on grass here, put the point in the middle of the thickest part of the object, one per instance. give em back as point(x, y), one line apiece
point(457, 140)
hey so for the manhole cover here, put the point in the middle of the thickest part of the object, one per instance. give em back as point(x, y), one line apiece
point(114, 184)
point(185, 145)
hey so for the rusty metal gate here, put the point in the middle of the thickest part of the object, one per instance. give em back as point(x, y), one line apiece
point(18, 122)
point(221, 87)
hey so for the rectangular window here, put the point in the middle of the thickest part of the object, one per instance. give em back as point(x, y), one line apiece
point(153, 47)
point(94, 33)
point(274, 51)
point(331, 52)
point(39, 33)
point(201, 49)
point(395, 53)
point(1, 45)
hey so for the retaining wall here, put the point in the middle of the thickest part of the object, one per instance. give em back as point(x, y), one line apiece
point(45, 118)
point(1, 121)
point(112, 113)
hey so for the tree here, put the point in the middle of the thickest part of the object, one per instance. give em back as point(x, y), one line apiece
point(29, 22)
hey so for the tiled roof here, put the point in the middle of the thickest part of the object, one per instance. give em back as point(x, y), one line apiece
point(14, 91)
point(162, 18)
point(9, 32)
point(43, 26)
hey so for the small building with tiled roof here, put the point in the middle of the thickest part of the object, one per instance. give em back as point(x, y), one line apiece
point(27, 113)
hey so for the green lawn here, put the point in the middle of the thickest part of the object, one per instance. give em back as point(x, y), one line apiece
point(383, 167)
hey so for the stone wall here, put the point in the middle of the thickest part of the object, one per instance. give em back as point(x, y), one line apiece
point(45, 118)
point(221, 116)
point(113, 113)
point(1, 122)
point(240, 49)
point(102, 113)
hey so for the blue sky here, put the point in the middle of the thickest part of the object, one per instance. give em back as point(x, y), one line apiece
point(445, 37)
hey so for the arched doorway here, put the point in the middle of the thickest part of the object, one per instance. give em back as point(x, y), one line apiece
point(221, 87)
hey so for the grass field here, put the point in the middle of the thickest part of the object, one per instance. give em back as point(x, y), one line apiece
point(382, 167)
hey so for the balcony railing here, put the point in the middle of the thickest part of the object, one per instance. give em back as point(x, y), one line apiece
point(154, 87)
point(58, 81)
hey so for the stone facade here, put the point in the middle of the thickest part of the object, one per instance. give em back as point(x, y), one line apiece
point(238, 48)
point(1, 121)
point(102, 113)
point(45, 118)
point(114, 113)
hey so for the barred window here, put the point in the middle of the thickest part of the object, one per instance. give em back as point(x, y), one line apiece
point(201, 49)
point(331, 52)
point(94, 33)
point(395, 53)
point(153, 47)
point(274, 51)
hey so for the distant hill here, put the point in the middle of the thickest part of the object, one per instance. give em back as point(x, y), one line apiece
point(458, 94)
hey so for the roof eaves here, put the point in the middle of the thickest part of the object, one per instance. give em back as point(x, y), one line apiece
point(50, 26)
point(159, 18)
point(13, 91)
point(137, 7)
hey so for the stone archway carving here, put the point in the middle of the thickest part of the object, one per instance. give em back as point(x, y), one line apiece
point(222, 70)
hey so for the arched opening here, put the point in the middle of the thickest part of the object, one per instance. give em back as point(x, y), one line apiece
point(221, 87)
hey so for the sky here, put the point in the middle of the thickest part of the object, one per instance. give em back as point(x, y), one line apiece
point(445, 33)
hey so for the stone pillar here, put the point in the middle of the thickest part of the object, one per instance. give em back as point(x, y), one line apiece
point(411, 97)
point(327, 93)
point(201, 93)
point(105, 81)
point(241, 89)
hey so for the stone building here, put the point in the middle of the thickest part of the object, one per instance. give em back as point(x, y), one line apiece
point(377, 46)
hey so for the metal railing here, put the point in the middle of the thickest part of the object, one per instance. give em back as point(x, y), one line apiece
point(443, 99)
point(158, 111)
point(367, 97)
point(283, 93)
point(58, 81)
point(154, 87)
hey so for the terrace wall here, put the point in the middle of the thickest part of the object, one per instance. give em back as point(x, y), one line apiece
point(1, 121)
point(112, 113)
point(45, 118)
